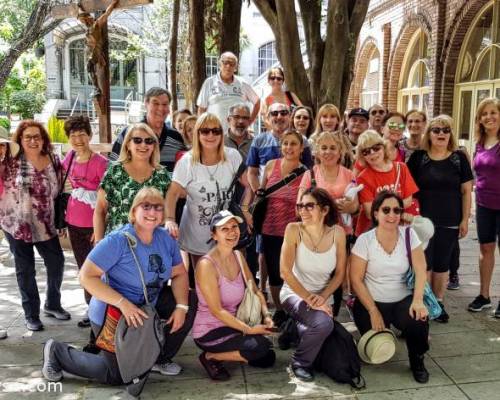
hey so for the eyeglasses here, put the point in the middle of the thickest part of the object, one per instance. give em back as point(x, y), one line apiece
point(283, 113)
point(372, 149)
point(307, 206)
point(395, 125)
point(437, 130)
point(229, 63)
point(149, 206)
point(138, 140)
point(304, 117)
point(275, 78)
point(375, 112)
point(213, 131)
point(395, 210)
point(29, 138)
point(242, 117)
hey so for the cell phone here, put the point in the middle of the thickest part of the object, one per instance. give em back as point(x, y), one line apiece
point(274, 329)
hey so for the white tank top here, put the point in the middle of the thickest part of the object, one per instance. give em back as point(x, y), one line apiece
point(313, 270)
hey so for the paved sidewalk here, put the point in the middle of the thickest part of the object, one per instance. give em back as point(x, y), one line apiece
point(464, 360)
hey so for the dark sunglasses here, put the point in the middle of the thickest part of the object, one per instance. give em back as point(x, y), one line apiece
point(275, 78)
point(375, 112)
point(307, 206)
point(149, 206)
point(283, 113)
point(395, 210)
point(213, 131)
point(437, 130)
point(139, 140)
point(304, 117)
point(372, 149)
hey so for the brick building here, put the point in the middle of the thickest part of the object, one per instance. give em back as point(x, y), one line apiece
point(441, 56)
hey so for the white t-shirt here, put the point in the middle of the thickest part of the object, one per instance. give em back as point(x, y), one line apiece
point(217, 96)
point(385, 275)
point(201, 202)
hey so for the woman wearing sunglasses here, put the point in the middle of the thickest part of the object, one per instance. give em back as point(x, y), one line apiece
point(202, 176)
point(312, 251)
point(381, 173)
point(393, 126)
point(444, 177)
point(302, 120)
point(276, 79)
point(138, 165)
point(378, 267)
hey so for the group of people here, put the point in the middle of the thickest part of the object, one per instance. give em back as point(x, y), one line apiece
point(337, 194)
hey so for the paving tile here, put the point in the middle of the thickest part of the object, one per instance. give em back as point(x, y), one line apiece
point(482, 390)
point(463, 343)
point(450, 392)
point(471, 368)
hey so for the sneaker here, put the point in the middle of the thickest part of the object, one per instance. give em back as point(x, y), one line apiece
point(279, 318)
point(444, 317)
point(215, 369)
point(50, 370)
point(137, 385)
point(453, 283)
point(479, 303)
point(302, 373)
point(168, 368)
point(420, 373)
point(83, 323)
point(60, 313)
point(34, 324)
point(3, 334)
point(497, 311)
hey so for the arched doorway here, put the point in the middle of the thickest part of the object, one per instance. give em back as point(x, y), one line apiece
point(414, 82)
point(370, 91)
point(478, 71)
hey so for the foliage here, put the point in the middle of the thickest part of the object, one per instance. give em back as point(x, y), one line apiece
point(14, 15)
point(55, 127)
point(5, 122)
point(26, 103)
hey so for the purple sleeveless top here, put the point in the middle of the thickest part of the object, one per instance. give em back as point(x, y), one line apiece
point(231, 294)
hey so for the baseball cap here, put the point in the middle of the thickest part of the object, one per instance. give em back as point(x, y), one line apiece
point(361, 112)
point(222, 217)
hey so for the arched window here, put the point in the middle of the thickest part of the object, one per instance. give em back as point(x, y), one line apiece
point(211, 65)
point(478, 71)
point(370, 90)
point(414, 82)
point(267, 57)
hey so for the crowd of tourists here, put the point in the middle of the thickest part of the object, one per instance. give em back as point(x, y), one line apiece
point(208, 220)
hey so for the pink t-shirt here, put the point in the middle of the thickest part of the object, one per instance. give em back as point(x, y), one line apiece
point(88, 176)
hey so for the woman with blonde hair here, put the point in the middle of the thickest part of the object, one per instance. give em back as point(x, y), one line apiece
point(487, 168)
point(202, 176)
point(138, 165)
point(444, 177)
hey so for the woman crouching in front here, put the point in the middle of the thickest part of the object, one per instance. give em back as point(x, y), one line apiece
point(220, 285)
point(312, 250)
point(379, 266)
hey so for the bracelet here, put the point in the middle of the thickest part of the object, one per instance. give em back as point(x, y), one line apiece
point(119, 301)
point(170, 218)
point(244, 207)
point(182, 307)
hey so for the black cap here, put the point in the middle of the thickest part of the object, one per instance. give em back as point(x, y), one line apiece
point(361, 112)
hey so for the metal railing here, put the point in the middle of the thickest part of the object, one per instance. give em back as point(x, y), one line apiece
point(74, 106)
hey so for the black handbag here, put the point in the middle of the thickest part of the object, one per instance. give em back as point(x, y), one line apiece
point(246, 237)
point(259, 206)
point(61, 201)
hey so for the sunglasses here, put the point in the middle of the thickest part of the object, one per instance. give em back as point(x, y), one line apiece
point(395, 125)
point(275, 78)
point(28, 138)
point(304, 117)
point(213, 131)
point(306, 206)
point(138, 140)
point(283, 113)
point(372, 149)
point(149, 206)
point(375, 112)
point(437, 130)
point(229, 63)
point(395, 210)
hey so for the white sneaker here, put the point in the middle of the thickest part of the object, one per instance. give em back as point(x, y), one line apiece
point(167, 368)
point(3, 334)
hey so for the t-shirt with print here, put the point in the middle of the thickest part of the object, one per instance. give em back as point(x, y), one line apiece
point(385, 275)
point(112, 254)
point(201, 182)
point(218, 96)
point(375, 181)
point(439, 183)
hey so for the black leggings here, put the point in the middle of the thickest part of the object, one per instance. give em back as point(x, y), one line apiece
point(272, 251)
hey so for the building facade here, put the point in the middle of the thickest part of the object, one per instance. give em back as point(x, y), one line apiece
point(440, 56)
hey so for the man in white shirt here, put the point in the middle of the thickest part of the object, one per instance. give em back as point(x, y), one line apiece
point(221, 91)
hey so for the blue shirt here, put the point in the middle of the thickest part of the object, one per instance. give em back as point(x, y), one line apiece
point(266, 147)
point(113, 256)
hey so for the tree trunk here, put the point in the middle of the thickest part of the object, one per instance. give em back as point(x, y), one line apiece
point(230, 30)
point(172, 50)
point(35, 29)
point(197, 45)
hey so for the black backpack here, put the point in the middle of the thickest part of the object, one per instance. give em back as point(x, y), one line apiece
point(339, 358)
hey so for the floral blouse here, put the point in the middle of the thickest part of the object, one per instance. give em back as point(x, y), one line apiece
point(27, 201)
point(121, 189)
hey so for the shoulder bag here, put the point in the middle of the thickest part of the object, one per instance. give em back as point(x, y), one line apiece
point(250, 309)
point(259, 206)
point(61, 201)
point(429, 299)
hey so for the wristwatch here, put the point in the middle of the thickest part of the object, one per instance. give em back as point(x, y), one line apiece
point(182, 307)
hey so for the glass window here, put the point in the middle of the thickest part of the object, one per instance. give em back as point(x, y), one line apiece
point(267, 57)
point(465, 115)
point(370, 91)
point(483, 71)
point(211, 65)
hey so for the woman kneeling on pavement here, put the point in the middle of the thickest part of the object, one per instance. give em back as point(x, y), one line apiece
point(220, 285)
point(379, 265)
point(312, 250)
point(110, 275)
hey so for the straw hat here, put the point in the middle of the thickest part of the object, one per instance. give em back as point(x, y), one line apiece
point(377, 347)
point(424, 228)
point(4, 138)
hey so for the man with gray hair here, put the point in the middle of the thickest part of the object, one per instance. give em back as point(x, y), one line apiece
point(224, 89)
point(238, 137)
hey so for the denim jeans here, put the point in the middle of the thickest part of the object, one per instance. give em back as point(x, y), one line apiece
point(24, 258)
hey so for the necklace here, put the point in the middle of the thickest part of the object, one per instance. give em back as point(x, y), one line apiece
point(315, 245)
point(213, 173)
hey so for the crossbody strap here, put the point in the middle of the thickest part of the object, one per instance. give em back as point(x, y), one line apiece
point(132, 242)
point(285, 181)
point(408, 247)
point(248, 282)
